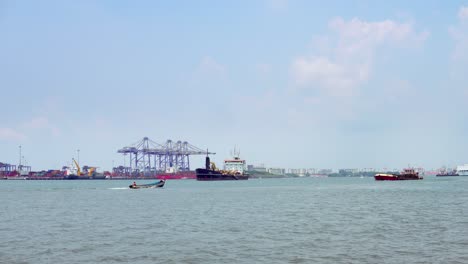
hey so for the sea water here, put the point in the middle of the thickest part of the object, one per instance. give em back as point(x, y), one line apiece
point(294, 220)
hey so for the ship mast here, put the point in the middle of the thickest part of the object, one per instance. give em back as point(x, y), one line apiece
point(19, 156)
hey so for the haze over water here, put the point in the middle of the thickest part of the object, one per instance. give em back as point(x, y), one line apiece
point(300, 220)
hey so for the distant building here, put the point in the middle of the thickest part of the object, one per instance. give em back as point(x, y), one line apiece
point(368, 170)
point(277, 171)
point(348, 171)
point(258, 168)
point(299, 172)
point(325, 171)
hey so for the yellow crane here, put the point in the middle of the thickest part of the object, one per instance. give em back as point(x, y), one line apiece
point(91, 171)
point(78, 172)
point(213, 166)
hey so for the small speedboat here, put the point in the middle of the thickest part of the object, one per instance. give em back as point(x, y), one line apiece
point(159, 184)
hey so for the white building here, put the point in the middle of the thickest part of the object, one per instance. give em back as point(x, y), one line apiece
point(277, 171)
point(259, 168)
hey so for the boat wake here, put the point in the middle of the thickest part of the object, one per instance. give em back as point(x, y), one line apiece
point(118, 188)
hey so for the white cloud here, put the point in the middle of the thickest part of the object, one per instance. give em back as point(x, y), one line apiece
point(398, 90)
point(41, 122)
point(208, 73)
point(209, 66)
point(338, 79)
point(261, 104)
point(263, 69)
point(278, 4)
point(27, 129)
point(342, 70)
point(10, 134)
point(310, 100)
point(459, 34)
point(357, 37)
point(38, 122)
point(463, 13)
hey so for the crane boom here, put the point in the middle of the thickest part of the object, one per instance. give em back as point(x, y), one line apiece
point(77, 167)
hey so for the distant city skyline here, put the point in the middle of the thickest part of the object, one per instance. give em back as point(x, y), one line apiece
point(292, 84)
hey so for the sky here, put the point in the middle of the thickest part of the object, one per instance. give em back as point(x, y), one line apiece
point(292, 84)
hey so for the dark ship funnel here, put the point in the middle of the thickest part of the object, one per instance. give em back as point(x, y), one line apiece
point(207, 162)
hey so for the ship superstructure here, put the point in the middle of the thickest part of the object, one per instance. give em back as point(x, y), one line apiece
point(462, 170)
point(235, 164)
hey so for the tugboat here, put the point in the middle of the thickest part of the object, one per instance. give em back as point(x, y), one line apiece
point(406, 174)
point(233, 170)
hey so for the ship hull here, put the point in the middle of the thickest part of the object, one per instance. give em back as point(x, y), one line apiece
point(211, 175)
point(409, 177)
point(395, 177)
point(15, 178)
point(181, 175)
point(98, 177)
point(76, 177)
point(145, 186)
point(385, 177)
point(446, 175)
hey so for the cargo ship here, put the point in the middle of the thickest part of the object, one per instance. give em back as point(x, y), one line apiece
point(88, 173)
point(233, 170)
point(406, 174)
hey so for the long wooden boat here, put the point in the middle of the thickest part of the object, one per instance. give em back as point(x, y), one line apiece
point(159, 184)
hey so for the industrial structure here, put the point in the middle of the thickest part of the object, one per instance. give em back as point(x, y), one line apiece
point(7, 169)
point(148, 157)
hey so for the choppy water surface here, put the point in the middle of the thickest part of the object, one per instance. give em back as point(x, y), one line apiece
point(307, 220)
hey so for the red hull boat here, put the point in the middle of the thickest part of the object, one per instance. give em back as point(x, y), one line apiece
point(385, 177)
point(406, 174)
point(180, 175)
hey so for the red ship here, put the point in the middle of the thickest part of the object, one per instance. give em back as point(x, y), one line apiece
point(180, 175)
point(406, 174)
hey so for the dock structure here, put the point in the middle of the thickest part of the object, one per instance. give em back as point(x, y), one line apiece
point(148, 157)
point(7, 169)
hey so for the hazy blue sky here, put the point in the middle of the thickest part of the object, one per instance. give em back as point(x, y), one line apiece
point(324, 84)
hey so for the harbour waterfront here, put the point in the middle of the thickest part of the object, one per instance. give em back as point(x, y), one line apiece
point(290, 220)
